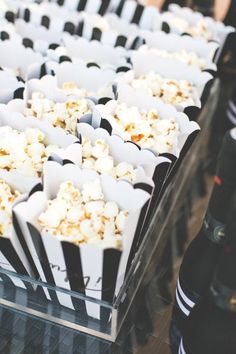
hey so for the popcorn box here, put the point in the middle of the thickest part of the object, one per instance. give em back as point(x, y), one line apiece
point(67, 265)
point(187, 134)
point(96, 81)
point(10, 86)
point(23, 61)
point(14, 256)
point(134, 97)
point(172, 69)
point(149, 170)
point(145, 161)
point(172, 42)
point(49, 87)
point(80, 50)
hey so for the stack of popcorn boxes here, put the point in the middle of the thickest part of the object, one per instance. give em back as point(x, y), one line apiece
point(92, 127)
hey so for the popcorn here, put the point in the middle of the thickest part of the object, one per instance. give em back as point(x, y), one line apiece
point(7, 198)
point(125, 171)
point(92, 191)
point(189, 58)
point(96, 156)
point(100, 149)
point(168, 90)
point(144, 128)
point(24, 152)
point(104, 164)
point(120, 220)
point(71, 89)
point(111, 210)
point(64, 115)
point(83, 216)
point(199, 29)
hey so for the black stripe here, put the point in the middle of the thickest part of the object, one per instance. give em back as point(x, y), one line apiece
point(43, 258)
point(186, 34)
point(64, 58)
point(192, 112)
point(111, 261)
point(120, 7)
point(137, 42)
point(90, 65)
point(4, 36)
point(121, 41)
point(27, 15)
point(67, 162)
point(19, 93)
point(104, 100)
point(79, 29)
point(96, 34)
point(43, 70)
point(137, 14)
point(60, 2)
point(27, 43)
point(10, 254)
point(37, 188)
point(69, 27)
point(138, 235)
point(10, 16)
point(81, 5)
point(106, 125)
point(24, 246)
point(45, 21)
point(144, 186)
point(165, 27)
point(74, 274)
point(53, 46)
point(159, 176)
point(104, 6)
point(122, 69)
point(206, 91)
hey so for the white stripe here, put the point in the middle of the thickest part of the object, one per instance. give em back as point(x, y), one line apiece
point(232, 106)
point(181, 348)
point(185, 298)
point(231, 117)
point(181, 306)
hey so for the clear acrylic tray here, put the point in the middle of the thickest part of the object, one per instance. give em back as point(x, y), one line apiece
point(27, 295)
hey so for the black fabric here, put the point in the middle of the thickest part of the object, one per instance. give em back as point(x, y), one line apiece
point(227, 265)
point(225, 181)
point(210, 330)
point(198, 266)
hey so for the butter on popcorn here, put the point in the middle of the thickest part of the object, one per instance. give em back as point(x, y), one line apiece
point(59, 114)
point(84, 216)
point(24, 151)
point(7, 199)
